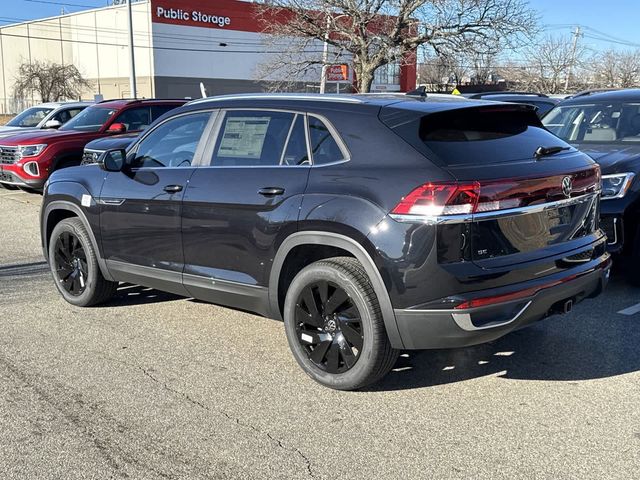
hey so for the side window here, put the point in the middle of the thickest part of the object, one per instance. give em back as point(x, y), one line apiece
point(158, 110)
point(172, 144)
point(254, 138)
point(64, 116)
point(324, 148)
point(135, 118)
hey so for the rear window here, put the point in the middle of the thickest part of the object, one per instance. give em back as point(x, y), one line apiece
point(474, 136)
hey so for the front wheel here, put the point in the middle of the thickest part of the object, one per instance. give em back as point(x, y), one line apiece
point(334, 325)
point(74, 265)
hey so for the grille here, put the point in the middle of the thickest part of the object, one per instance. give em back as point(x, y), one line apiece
point(89, 157)
point(9, 155)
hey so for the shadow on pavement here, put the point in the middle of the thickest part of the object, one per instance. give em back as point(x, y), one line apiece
point(576, 347)
point(129, 294)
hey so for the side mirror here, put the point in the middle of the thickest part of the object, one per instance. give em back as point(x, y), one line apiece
point(53, 124)
point(112, 160)
point(116, 128)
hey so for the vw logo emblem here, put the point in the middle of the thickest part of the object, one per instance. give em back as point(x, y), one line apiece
point(567, 186)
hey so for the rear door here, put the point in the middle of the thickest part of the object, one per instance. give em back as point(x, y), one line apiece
point(237, 208)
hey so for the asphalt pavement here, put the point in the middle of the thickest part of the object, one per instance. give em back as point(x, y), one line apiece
point(154, 386)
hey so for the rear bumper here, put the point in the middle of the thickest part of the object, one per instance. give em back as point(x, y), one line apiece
point(450, 328)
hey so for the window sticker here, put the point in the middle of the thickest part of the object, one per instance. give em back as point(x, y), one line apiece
point(244, 137)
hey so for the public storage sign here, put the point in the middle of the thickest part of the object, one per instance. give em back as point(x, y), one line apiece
point(227, 14)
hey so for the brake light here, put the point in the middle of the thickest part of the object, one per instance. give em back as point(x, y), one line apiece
point(439, 199)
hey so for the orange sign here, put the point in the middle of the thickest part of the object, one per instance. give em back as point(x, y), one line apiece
point(338, 73)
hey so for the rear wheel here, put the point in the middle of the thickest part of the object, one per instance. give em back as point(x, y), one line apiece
point(334, 325)
point(74, 265)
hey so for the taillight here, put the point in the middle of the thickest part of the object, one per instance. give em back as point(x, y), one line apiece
point(441, 199)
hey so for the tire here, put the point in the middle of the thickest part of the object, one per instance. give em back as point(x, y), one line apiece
point(74, 265)
point(326, 344)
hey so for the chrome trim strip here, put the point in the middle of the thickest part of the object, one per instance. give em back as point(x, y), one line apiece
point(201, 281)
point(615, 232)
point(111, 201)
point(463, 320)
point(479, 217)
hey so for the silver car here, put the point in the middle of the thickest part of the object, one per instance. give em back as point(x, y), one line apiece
point(45, 115)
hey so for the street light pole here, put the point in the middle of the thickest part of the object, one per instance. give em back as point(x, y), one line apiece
point(132, 66)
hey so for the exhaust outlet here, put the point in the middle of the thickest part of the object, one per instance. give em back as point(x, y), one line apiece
point(567, 307)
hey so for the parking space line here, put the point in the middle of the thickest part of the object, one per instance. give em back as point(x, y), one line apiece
point(632, 310)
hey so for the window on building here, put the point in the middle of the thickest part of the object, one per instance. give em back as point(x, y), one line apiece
point(387, 74)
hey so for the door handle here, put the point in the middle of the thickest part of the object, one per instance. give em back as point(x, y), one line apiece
point(271, 191)
point(173, 188)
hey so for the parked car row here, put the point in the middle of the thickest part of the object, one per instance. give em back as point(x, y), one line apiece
point(28, 155)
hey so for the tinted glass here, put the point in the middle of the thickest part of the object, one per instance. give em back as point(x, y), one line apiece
point(172, 144)
point(158, 110)
point(30, 117)
point(596, 122)
point(63, 116)
point(473, 136)
point(296, 152)
point(324, 148)
point(89, 120)
point(135, 118)
point(252, 138)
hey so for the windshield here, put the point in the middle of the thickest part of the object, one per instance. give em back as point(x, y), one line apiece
point(31, 117)
point(595, 122)
point(89, 120)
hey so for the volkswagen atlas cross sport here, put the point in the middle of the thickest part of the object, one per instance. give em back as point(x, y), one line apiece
point(27, 159)
point(369, 224)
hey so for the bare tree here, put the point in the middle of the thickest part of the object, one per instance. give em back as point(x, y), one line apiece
point(548, 63)
point(617, 69)
point(373, 33)
point(49, 81)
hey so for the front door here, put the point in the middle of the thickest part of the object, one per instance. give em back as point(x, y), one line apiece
point(235, 210)
point(140, 217)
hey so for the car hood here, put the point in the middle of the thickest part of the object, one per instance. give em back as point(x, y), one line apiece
point(109, 143)
point(614, 158)
point(6, 131)
point(43, 136)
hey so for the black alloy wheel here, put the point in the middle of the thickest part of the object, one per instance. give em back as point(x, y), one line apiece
point(75, 266)
point(329, 326)
point(70, 262)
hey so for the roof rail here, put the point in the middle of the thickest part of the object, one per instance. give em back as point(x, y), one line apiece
point(477, 96)
point(585, 93)
point(133, 100)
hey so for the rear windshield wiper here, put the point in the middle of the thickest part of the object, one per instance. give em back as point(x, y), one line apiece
point(546, 151)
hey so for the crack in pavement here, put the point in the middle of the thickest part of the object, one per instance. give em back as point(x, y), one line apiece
point(234, 419)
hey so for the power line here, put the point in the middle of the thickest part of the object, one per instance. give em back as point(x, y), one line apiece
point(63, 4)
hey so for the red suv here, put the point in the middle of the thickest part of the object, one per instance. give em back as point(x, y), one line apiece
point(27, 159)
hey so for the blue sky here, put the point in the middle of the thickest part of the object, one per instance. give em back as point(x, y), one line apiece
point(603, 18)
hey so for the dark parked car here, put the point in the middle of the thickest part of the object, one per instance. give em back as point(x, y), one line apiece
point(27, 159)
point(370, 224)
point(97, 147)
point(541, 101)
point(606, 126)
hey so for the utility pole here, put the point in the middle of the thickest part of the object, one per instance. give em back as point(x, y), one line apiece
point(132, 67)
point(576, 35)
point(325, 57)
